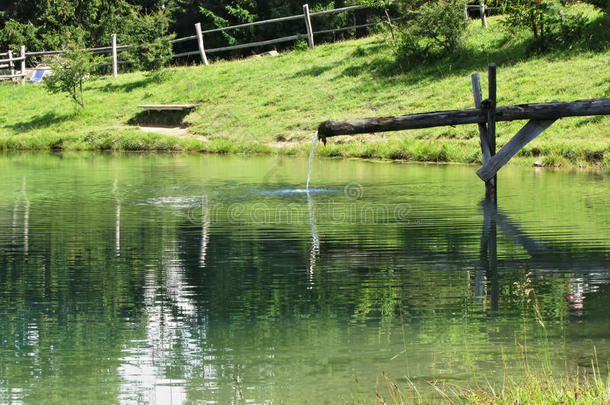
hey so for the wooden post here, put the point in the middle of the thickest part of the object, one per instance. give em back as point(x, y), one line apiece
point(308, 24)
point(22, 54)
point(478, 100)
point(204, 58)
point(115, 68)
point(483, 17)
point(11, 64)
point(491, 186)
point(466, 12)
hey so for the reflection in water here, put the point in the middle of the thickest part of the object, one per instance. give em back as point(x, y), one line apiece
point(117, 221)
point(205, 225)
point(315, 241)
point(123, 296)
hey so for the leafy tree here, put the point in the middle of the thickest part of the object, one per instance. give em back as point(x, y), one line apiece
point(545, 19)
point(435, 28)
point(151, 49)
point(69, 72)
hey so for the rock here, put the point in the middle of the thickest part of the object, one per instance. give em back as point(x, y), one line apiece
point(537, 163)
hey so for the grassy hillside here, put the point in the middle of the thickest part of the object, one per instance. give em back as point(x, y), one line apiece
point(274, 104)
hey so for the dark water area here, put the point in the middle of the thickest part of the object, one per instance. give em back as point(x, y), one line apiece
point(209, 279)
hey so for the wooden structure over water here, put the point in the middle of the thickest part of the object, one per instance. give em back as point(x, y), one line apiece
point(485, 115)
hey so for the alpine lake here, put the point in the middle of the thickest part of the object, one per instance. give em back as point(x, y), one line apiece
point(202, 279)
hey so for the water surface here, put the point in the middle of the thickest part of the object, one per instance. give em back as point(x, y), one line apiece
point(210, 279)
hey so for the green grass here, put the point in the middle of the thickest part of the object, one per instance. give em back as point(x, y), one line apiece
point(533, 388)
point(274, 105)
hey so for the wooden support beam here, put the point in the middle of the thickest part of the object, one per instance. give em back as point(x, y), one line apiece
point(478, 99)
point(204, 58)
point(115, 68)
point(491, 185)
point(308, 25)
point(11, 63)
point(526, 134)
point(538, 111)
point(482, 11)
point(22, 55)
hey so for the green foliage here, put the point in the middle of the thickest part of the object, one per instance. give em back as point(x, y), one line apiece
point(300, 45)
point(547, 20)
point(14, 34)
point(69, 71)
point(151, 49)
point(602, 4)
point(435, 28)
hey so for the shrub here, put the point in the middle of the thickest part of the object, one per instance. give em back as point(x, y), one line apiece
point(546, 19)
point(69, 72)
point(151, 49)
point(436, 28)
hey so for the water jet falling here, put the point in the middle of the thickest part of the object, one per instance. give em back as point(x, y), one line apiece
point(311, 154)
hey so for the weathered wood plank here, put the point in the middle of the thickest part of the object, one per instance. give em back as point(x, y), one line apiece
point(478, 99)
point(204, 57)
point(254, 44)
point(338, 10)
point(491, 185)
point(115, 65)
point(273, 20)
point(525, 135)
point(168, 107)
point(308, 26)
point(538, 111)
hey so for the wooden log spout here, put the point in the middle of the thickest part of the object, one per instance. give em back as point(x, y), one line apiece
point(537, 111)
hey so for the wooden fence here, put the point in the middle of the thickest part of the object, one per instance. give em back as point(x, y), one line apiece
point(485, 114)
point(10, 62)
point(199, 36)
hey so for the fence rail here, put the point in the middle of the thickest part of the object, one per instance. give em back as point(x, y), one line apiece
point(10, 64)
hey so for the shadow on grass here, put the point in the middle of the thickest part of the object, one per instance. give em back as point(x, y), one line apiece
point(359, 52)
point(40, 121)
point(172, 118)
point(505, 51)
point(126, 87)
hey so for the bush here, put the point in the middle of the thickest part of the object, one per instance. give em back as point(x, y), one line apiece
point(546, 20)
point(151, 49)
point(69, 72)
point(436, 29)
point(603, 4)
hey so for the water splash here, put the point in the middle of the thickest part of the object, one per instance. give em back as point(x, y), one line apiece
point(311, 154)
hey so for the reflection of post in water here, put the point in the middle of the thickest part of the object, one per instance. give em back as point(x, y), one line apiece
point(205, 225)
point(492, 219)
point(488, 256)
point(117, 221)
point(26, 219)
point(315, 241)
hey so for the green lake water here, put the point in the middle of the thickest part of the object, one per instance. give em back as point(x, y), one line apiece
point(210, 279)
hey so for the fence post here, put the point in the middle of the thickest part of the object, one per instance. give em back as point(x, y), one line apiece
point(22, 52)
point(491, 186)
point(466, 12)
point(115, 67)
point(204, 58)
point(308, 24)
point(11, 65)
point(482, 11)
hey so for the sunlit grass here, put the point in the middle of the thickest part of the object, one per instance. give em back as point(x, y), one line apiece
point(274, 104)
